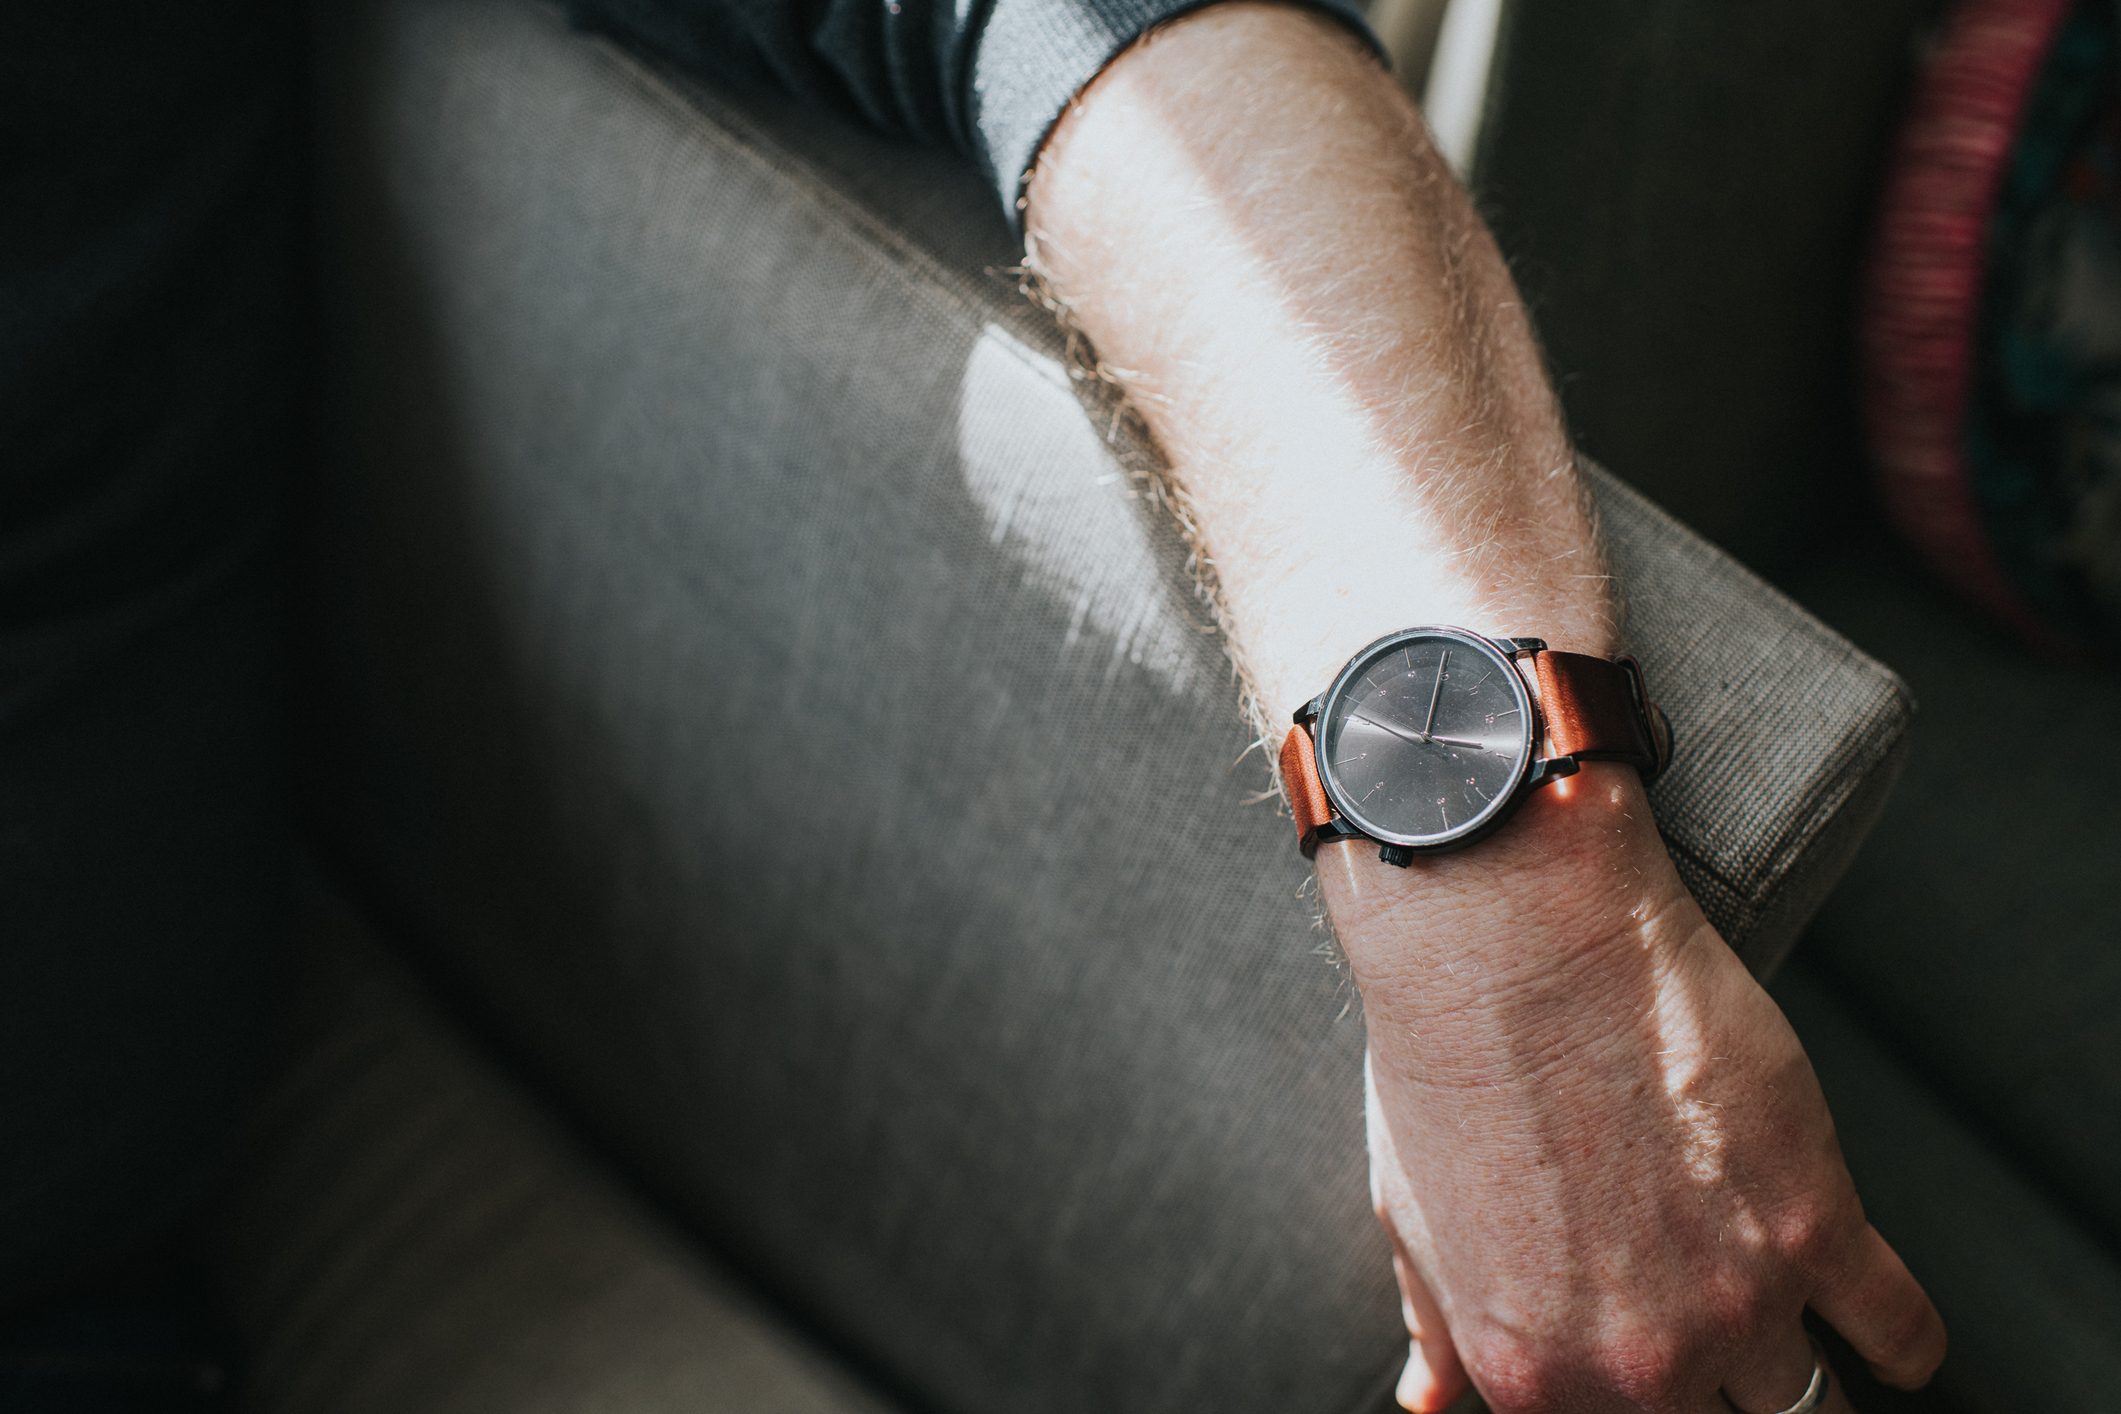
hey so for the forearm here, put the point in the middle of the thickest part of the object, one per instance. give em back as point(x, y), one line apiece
point(1245, 216)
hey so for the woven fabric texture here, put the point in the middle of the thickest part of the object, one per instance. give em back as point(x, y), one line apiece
point(748, 671)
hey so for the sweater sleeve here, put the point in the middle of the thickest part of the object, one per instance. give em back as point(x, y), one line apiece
point(987, 78)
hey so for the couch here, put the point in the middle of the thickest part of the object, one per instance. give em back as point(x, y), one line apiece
point(797, 921)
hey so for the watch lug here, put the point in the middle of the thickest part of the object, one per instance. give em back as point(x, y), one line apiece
point(1308, 713)
point(1523, 647)
point(1330, 832)
point(1551, 769)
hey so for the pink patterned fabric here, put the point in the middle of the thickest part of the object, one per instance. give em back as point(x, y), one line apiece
point(1928, 271)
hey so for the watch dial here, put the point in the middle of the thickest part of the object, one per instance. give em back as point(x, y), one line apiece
point(1424, 737)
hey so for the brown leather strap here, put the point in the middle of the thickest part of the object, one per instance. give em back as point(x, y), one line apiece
point(1593, 708)
point(1299, 777)
point(1598, 709)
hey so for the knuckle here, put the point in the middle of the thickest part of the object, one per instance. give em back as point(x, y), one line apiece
point(1734, 1310)
point(1515, 1376)
point(1643, 1367)
point(1812, 1236)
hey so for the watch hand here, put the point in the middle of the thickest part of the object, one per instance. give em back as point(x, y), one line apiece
point(1459, 741)
point(1387, 727)
point(1435, 692)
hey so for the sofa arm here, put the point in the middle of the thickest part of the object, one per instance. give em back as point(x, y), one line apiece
point(779, 709)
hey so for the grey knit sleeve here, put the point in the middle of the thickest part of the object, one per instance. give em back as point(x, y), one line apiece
point(988, 78)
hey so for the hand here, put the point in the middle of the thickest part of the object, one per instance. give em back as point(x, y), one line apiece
point(1419, 738)
point(1607, 1170)
point(1428, 723)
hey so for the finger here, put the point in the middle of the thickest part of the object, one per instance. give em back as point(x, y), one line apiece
point(1883, 1312)
point(1775, 1371)
point(1434, 1376)
point(1421, 1390)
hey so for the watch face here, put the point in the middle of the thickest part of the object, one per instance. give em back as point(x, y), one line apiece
point(1424, 737)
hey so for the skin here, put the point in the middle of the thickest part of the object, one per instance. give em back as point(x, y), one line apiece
point(1608, 1173)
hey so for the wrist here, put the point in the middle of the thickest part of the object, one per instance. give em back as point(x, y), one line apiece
point(1339, 598)
point(1578, 875)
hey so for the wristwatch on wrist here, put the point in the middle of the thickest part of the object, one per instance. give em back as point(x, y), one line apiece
point(1430, 737)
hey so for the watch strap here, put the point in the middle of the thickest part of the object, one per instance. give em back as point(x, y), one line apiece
point(1591, 708)
point(1597, 709)
point(1307, 793)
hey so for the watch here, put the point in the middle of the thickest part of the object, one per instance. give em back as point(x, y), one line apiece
point(1430, 738)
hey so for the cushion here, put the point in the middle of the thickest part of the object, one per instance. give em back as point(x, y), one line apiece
point(1989, 338)
point(1686, 192)
point(411, 1234)
point(1977, 932)
point(2031, 1296)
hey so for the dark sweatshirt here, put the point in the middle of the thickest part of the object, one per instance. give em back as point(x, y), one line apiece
point(987, 78)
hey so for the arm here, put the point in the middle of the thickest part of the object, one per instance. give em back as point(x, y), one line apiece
point(1607, 1169)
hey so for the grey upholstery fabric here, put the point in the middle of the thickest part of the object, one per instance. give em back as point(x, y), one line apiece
point(1979, 933)
point(411, 1235)
point(744, 666)
point(1791, 737)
